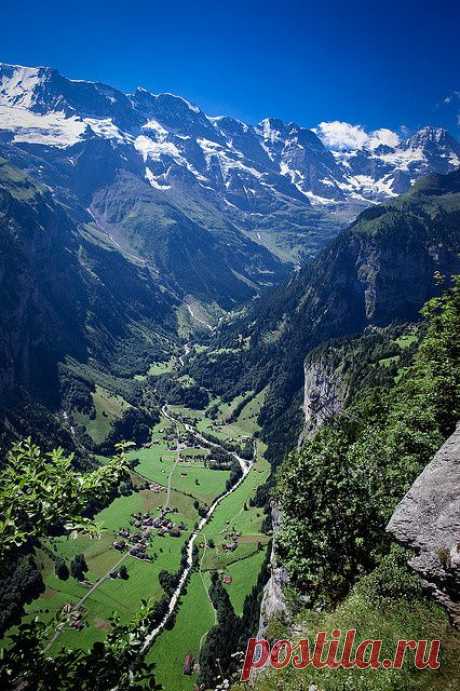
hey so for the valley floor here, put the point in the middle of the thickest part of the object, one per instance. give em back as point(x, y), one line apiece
point(172, 481)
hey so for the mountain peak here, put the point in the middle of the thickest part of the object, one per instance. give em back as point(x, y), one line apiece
point(19, 84)
point(430, 134)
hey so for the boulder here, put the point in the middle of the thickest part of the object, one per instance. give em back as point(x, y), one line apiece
point(428, 521)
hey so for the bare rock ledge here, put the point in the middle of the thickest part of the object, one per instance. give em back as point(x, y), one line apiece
point(428, 521)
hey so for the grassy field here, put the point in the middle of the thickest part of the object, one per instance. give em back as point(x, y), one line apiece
point(235, 515)
point(109, 408)
point(244, 575)
point(194, 618)
point(195, 615)
point(245, 425)
point(191, 477)
point(158, 368)
point(112, 595)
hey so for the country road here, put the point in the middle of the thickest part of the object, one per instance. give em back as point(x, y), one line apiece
point(78, 604)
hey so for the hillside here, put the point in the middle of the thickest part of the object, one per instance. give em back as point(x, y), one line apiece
point(67, 296)
point(379, 271)
point(337, 494)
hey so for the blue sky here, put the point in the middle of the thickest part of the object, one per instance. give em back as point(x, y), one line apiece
point(376, 64)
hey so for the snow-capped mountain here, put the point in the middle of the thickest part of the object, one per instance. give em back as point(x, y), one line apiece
point(285, 186)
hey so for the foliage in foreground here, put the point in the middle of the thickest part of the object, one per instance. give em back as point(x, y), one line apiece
point(40, 492)
point(338, 492)
point(118, 662)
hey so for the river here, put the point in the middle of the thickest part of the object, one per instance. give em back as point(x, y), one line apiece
point(245, 468)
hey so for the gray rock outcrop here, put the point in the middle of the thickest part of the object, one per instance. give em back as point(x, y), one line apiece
point(274, 603)
point(428, 520)
point(324, 393)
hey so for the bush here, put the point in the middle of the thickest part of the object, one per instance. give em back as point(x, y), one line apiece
point(78, 567)
point(61, 569)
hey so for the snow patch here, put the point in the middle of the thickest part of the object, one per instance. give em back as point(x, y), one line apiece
point(52, 129)
point(18, 87)
point(105, 128)
point(154, 182)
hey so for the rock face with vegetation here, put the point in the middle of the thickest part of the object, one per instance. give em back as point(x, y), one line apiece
point(274, 604)
point(324, 392)
point(428, 521)
point(338, 492)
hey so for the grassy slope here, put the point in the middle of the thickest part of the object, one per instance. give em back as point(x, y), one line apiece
point(109, 407)
point(417, 618)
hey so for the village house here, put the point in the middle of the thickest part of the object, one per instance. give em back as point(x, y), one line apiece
point(231, 546)
point(119, 545)
point(188, 664)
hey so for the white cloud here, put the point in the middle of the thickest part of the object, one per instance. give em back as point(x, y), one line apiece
point(341, 136)
point(383, 136)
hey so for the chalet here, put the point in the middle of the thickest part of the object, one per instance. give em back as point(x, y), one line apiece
point(137, 551)
point(227, 580)
point(188, 664)
point(119, 545)
point(230, 546)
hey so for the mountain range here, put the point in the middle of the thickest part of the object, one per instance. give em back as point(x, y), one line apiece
point(273, 186)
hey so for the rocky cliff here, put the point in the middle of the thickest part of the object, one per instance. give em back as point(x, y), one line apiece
point(428, 521)
point(324, 392)
point(274, 604)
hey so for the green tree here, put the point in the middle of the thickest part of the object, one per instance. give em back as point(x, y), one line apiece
point(78, 567)
point(42, 491)
point(61, 569)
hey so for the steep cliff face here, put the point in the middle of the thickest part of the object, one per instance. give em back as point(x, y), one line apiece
point(428, 521)
point(324, 393)
point(274, 604)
